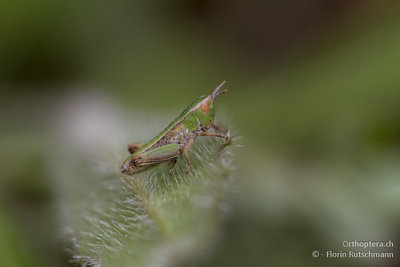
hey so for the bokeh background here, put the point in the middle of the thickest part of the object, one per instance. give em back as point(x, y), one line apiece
point(314, 94)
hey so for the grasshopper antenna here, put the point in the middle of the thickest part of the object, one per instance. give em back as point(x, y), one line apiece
point(216, 92)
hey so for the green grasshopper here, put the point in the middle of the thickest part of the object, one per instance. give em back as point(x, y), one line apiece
point(177, 137)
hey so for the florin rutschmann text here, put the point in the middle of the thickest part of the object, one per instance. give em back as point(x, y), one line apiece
point(379, 249)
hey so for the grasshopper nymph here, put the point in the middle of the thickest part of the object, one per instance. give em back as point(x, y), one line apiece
point(177, 137)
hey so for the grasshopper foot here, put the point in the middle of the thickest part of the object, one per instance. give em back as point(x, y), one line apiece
point(187, 160)
point(188, 168)
point(222, 146)
point(172, 166)
point(219, 128)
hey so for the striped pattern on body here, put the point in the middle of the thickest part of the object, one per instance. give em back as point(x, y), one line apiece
point(151, 144)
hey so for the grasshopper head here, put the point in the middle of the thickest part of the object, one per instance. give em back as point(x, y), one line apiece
point(206, 111)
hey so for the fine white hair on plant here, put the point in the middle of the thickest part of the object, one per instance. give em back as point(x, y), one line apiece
point(116, 220)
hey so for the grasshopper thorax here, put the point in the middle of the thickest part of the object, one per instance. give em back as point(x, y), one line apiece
point(205, 112)
point(202, 112)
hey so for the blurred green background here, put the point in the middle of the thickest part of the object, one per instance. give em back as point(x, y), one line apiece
point(314, 92)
